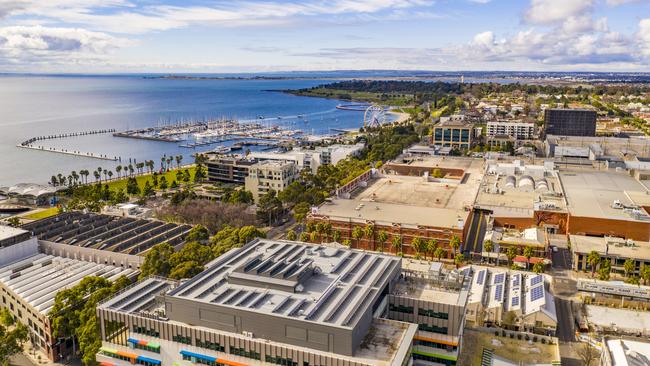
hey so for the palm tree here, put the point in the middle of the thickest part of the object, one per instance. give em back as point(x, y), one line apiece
point(511, 253)
point(629, 267)
point(488, 246)
point(347, 243)
point(178, 158)
point(336, 236)
point(432, 245)
point(357, 233)
point(593, 259)
point(327, 228)
point(439, 252)
point(459, 259)
point(455, 243)
point(118, 169)
point(645, 274)
point(382, 236)
point(110, 174)
point(397, 243)
point(538, 267)
point(163, 159)
point(97, 175)
point(528, 253)
point(605, 269)
point(418, 246)
point(131, 170)
point(369, 232)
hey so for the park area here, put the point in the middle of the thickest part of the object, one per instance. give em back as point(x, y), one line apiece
point(527, 352)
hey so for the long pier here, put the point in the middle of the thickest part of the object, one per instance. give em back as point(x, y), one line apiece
point(74, 153)
point(29, 144)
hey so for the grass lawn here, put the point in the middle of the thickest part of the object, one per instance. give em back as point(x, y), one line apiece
point(141, 179)
point(42, 214)
point(506, 347)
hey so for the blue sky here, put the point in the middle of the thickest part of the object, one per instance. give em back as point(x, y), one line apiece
point(266, 35)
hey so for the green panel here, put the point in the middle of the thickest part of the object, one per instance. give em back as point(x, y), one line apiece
point(444, 357)
point(108, 350)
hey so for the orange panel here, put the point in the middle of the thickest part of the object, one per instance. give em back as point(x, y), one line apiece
point(448, 343)
point(230, 363)
point(127, 354)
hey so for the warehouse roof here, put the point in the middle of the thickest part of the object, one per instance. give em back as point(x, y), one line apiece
point(37, 279)
point(329, 285)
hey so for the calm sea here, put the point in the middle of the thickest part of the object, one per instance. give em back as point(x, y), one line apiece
point(41, 105)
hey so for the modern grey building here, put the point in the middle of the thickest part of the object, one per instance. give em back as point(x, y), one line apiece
point(271, 302)
point(570, 122)
point(229, 169)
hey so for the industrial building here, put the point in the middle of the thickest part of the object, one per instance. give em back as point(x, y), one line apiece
point(31, 278)
point(110, 233)
point(288, 303)
point(597, 148)
point(570, 122)
point(405, 201)
point(496, 292)
point(616, 250)
point(268, 175)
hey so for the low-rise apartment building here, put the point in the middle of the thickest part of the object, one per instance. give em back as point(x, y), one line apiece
point(519, 130)
point(269, 175)
point(616, 250)
point(454, 132)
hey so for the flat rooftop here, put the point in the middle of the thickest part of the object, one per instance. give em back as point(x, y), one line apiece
point(622, 319)
point(419, 283)
point(591, 193)
point(405, 200)
point(37, 279)
point(105, 232)
point(508, 200)
point(329, 285)
point(7, 232)
point(617, 246)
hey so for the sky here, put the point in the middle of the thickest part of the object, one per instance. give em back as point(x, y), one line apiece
point(203, 36)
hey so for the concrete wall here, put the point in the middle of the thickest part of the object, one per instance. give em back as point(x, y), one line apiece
point(635, 230)
point(91, 255)
point(18, 251)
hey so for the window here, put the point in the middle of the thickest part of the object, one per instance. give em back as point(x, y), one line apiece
point(434, 359)
point(432, 328)
point(143, 330)
point(401, 308)
point(280, 361)
point(242, 352)
point(146, 348)
point(419, 342)
point(210, 345)
point(433, 314)
point(182, 339)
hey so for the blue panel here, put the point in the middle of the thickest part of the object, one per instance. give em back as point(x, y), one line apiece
point(536, 293)
point(481, 277)
point(499, 278)
point(147, 359)
point(536, 280)
point(498, 293)
point(516, 280)
point(132, 340)
point(515, 301)
point(198, 355)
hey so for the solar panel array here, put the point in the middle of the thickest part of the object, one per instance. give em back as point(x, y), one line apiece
point(536, 293)
point(516, 280)
point(536, 280)
point(498, 292)
point(481, 277)
point(499, 278)
point(515, 301)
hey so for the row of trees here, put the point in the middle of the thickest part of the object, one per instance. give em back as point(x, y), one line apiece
point(12, 336)
point(604, 268)
point(163, 260)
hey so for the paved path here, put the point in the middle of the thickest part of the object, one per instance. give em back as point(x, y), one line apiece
point(564, 289)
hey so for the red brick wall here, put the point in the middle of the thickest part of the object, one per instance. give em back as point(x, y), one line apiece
point(600, 227)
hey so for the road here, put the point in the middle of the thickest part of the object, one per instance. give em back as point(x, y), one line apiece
point(474, 240)
point(564, 289)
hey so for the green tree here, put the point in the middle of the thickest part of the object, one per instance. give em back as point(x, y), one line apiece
point(336, 236)
point(488, 246)
point(629, 267)
point(147, 191)
point(538, 267)
point(357, 234)
point(396, 243)
point(14, 221)
point(593, 259)
point(6, 318)
point(528, 253)
point(645, 274)
point(459, 259)
point(419, 246)
point(511, 253)
point(382, 237)
point(269, 208)
point(347, 243)
point(369, 233)
point(198, 233)
point(191, 252)
point(439, 253)
point(11, 342)
point(455, 243)
point(432, 245)
point(604, 271)
point(187, 269)
point(291, 235)
point(304, 237)
point(156, 261)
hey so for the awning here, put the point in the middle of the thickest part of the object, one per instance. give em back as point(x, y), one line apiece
point(198, 355)
point(149, 360)
point(143, 343)
point(107, 350)
point(533, 260)
point(230, 363)
point(126, 354)
point(104, 363)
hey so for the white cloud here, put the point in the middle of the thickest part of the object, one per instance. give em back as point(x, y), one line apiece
point(621, 2)
point(553, 11)
point(644, 36)
point(37, 44)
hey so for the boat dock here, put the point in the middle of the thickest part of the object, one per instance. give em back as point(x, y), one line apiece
point(74, 153)
point(65, 135)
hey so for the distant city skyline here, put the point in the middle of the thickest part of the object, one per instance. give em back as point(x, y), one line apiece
point(97, 36)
